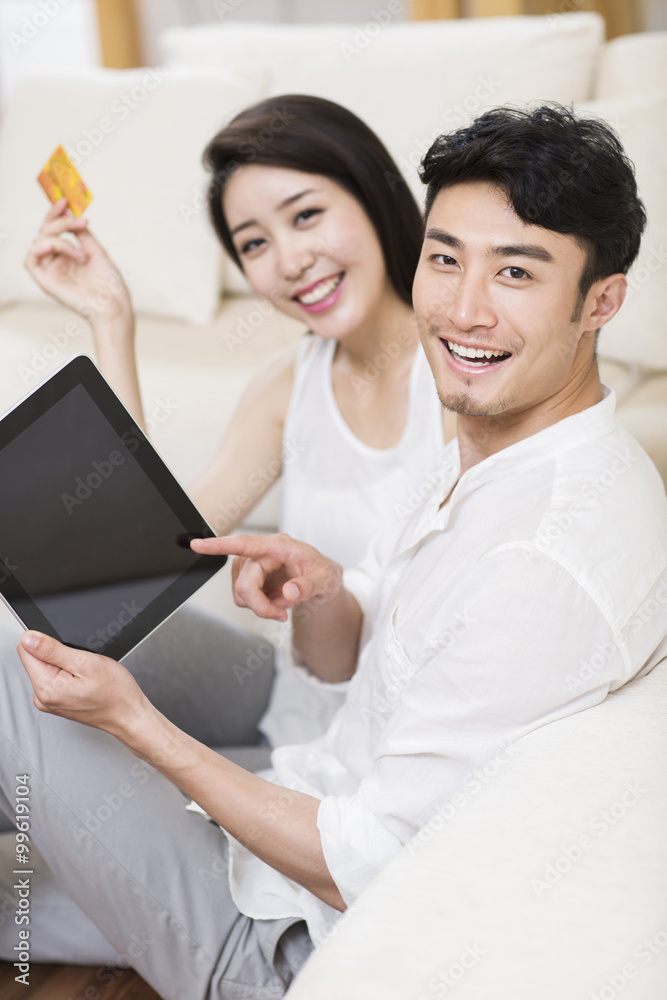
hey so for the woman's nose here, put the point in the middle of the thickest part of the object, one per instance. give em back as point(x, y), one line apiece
point(296, 260)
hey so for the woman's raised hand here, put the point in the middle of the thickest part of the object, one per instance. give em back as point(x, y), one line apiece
point(80, 277)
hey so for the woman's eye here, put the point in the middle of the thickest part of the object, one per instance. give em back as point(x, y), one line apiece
point(251, 245)
point(515, 272)
point(306, 214)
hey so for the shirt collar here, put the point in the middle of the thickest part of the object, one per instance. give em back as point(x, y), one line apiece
point(593, 422)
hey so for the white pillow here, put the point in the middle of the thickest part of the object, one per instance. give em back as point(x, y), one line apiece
point(633, 65)
point(411, 81)
point(638, 333)
point(144, 172)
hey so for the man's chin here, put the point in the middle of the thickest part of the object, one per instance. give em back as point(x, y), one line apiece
point(465, 405)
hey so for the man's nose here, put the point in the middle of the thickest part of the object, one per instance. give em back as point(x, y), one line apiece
point(468, 303)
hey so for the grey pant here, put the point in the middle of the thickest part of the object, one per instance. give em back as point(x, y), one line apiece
point(123, 874)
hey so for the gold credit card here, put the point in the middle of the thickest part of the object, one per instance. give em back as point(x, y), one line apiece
point(61, 179)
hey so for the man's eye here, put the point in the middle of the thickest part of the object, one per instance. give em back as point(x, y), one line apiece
point(515, 272)
point(251, 245)
point(306, 213)
point(443, 258)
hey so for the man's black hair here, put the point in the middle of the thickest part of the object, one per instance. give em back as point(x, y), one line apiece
point(559, 171)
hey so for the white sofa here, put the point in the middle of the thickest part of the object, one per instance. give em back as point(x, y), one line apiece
point(459, 914)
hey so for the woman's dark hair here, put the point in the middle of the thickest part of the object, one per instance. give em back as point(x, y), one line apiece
point(559, 171)
point(320, 137)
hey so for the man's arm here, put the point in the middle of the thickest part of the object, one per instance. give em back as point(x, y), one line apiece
point(275, 823)
point(274, 573)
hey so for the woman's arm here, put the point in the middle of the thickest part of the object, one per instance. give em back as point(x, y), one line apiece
point(249, 459)
point(84, 278)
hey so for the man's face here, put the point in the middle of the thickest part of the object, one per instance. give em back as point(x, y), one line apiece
point(488, 281)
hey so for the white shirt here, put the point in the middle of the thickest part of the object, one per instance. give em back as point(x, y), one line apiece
point(336, 493)
point(540, 587)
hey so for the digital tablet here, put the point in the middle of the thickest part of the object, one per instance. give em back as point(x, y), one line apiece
point(94, 528)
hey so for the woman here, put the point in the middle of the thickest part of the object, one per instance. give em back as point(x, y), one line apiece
point(322, 225)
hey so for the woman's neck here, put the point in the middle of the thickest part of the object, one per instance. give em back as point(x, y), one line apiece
point(390, 335)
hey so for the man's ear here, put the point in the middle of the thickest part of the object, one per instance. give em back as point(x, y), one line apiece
point(605, 297)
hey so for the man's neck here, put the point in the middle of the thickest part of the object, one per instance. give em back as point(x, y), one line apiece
point(480, 437)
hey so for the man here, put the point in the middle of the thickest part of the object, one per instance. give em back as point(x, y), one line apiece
point(509, 600)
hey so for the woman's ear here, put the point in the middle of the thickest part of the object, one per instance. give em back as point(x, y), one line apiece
point(604, 299)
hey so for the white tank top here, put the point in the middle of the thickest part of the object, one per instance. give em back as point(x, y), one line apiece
point(336, 493)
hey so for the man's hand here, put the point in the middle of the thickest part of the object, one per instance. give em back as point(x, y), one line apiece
point(96, 691)
point(82, 686)
point(273, 573)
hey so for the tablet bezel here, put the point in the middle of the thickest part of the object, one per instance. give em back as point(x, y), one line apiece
point(80, 370)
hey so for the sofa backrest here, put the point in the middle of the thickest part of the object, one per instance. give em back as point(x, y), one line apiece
point(409, 81)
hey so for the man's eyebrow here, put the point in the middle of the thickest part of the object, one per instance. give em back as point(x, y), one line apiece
point(283, 204)
point(522, 250)
point(530, 250)
point(442, 237)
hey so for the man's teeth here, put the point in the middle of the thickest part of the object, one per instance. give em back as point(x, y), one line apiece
point(320, 291)
point(475, 352)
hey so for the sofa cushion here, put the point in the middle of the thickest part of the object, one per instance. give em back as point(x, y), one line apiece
point(137, 137)
point(545, 878)
point(411, 81)
point(638, 333)
point(633, 65)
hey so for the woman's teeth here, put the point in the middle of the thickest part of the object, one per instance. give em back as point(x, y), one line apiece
point(476, 352)
point(320, 291)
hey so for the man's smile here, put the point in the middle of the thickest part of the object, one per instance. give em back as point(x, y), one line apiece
point(468, 358)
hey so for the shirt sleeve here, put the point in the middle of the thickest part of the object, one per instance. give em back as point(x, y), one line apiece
point(533, 647)
point(362, 581)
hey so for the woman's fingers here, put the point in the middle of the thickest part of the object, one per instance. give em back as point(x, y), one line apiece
point(63, 224)
point(43, 246)
point(58, 208)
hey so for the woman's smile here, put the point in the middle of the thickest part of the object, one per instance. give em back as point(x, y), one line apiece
point(320, 294)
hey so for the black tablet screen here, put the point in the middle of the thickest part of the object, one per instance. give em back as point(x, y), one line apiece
point(92, 525)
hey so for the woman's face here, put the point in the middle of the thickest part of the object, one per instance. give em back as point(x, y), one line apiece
point(308, 246)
